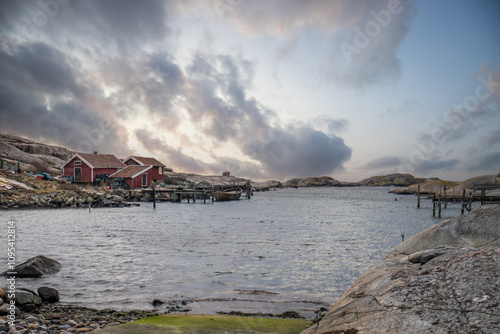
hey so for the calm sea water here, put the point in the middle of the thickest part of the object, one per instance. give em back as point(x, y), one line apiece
point(291, 249)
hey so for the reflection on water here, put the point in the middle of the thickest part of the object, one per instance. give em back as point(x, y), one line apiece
point(292, 249)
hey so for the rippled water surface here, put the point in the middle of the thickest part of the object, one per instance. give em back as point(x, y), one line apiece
point(291, 249)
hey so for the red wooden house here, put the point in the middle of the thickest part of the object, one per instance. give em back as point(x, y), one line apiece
point(85, 167)
point(158, 169)
point(136, 176)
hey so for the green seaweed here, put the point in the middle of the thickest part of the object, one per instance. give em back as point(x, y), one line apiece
point(209, 324)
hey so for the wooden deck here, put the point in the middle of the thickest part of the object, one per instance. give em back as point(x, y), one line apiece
point(193, 194)
point(440, 202)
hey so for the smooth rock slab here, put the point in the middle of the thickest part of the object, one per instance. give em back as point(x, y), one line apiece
point(455, 292)
point(479, 228)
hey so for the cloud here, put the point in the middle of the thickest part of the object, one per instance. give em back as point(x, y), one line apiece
point(492, 138)
point(82, 86)
point(362, 38)
point(387, 162)
point(41, 98)
point(176, 159)
point(169, 154)
point(332, 125)
point(488, 162)
point(223, 110)
point(425, 166)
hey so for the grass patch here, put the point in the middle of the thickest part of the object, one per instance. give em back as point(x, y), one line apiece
point(209, 324)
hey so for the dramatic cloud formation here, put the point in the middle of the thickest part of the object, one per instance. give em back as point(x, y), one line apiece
point(251, 86)
point(288, 151)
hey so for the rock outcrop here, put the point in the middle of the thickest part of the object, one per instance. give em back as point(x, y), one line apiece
point(323, 181)
point(479, 228)
point(314, 181)
point(448, 284)
point(391, 180)
point(36, 267)
point(29, 155)
point(435, 185)
point(430, 186)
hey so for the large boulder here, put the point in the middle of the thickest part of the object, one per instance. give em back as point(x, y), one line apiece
point(36, 267)
point(448, 284)
point(48, 295)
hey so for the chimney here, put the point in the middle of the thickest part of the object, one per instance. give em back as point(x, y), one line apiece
point(95, 152)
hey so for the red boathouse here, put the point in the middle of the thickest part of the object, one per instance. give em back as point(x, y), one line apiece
point(84, 168)
point(158, 169)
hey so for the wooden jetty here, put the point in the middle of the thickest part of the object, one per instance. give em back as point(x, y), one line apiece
point(193, 193)
point(440, 202)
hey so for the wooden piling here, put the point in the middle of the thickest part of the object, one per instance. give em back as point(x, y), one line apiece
point(445, 205)
point(418, 196)
point(439, 203)
point(434, 205)
point(154, 198)
point(483, 195)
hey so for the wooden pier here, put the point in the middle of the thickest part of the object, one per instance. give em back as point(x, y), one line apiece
point(193, 193)
point(441, 201)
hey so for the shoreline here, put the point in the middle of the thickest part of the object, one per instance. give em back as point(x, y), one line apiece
point(64, 318)
point(57, 318)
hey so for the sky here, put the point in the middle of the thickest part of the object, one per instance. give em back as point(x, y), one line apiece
point(263, 89)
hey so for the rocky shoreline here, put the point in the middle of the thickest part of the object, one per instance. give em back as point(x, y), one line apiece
point(442, 280)
point(65, 319)
point(71, 199)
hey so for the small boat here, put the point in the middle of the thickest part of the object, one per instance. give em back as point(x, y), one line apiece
point(228, 195)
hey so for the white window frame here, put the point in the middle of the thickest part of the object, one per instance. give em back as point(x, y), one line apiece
point(77, 163)
point(161, 170)
point(144, 184)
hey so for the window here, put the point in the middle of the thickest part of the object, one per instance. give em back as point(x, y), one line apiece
point(144, 180)
point(131, 163)
point(77, 162)
point(161, 170)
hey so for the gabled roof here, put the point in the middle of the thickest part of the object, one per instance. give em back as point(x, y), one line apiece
point(102, 160)
point(145, 161)
point(98, 160)
point(131, 171)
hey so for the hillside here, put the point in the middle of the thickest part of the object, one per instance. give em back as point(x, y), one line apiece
point(29, 155)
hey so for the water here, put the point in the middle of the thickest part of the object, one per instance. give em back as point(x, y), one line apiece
point(291, 249)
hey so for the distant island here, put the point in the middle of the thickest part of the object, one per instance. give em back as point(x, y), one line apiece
point(23, 155)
